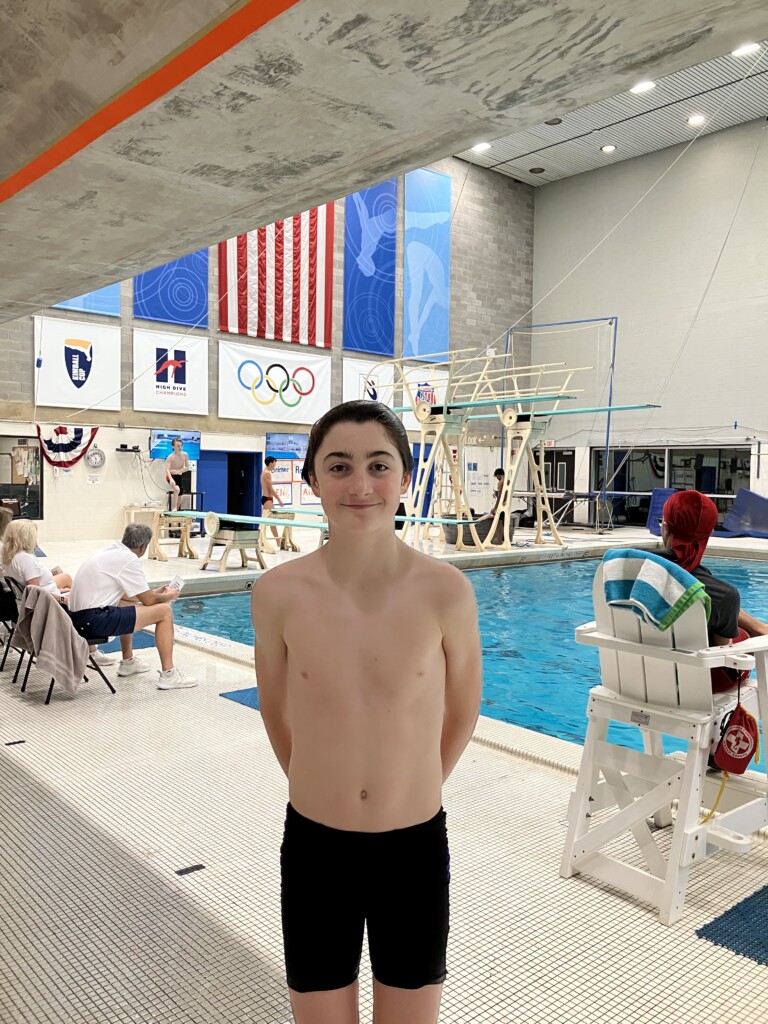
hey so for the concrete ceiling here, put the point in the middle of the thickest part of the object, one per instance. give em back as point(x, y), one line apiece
point(322, 100)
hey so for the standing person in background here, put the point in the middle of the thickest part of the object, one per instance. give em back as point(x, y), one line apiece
point(268, 493)
point(177, 472)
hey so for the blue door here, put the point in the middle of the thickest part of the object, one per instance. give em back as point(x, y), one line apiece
point(212, 471)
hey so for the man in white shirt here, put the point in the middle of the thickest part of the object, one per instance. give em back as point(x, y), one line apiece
point(110, 596)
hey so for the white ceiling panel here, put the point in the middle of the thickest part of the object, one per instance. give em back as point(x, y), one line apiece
point(727, 91)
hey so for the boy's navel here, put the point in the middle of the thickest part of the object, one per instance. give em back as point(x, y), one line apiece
point(363, 794)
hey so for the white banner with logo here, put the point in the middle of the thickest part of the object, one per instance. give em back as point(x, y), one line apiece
point(171, 373)
point(77, 364)
point(426, 384)
point(270, 384)
point(364, 378)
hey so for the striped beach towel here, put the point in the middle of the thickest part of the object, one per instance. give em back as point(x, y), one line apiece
point(656, 589)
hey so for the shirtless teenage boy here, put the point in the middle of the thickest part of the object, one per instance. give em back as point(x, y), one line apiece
point(368, 662)
point(268, 493)
point(176, 466)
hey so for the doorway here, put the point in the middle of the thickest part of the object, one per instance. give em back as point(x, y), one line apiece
point(231, 482)
point(559, 469)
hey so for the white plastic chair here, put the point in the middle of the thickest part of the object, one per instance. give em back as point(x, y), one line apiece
point(660, 682)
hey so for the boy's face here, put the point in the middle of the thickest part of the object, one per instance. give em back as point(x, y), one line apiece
point(359, 475)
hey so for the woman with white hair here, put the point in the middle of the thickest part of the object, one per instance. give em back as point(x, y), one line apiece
point(19, 562)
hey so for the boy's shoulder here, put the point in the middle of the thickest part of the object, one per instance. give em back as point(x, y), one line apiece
point(288, 573)
point(441, 574)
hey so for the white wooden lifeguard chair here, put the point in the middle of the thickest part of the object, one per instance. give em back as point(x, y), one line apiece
point(660, 682)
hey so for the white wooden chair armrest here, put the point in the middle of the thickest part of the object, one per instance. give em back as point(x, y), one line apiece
point(734, 656)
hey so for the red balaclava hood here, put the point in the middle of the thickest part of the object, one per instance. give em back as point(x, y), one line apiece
point(691, 517)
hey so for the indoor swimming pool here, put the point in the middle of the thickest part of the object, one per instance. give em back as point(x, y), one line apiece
point(535, 674)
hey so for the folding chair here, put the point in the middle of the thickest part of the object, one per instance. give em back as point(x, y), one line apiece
point(660, 682)
point(58, 609)
point(12, 595)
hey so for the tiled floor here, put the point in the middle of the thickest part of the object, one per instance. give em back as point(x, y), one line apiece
point(109, 796)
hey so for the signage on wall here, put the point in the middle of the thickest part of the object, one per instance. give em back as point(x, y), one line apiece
point(367, 379)
point(77, 364)
point(280, 386)
point(170, 373)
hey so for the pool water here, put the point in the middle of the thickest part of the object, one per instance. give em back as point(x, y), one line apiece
point(534, 673)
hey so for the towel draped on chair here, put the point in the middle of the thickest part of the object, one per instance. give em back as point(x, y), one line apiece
point(656, 589)
point(45, 630)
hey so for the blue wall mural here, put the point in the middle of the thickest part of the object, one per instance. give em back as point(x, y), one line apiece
point(104, 300)
point(427, 264)
point(370, 224)
point(176, 293)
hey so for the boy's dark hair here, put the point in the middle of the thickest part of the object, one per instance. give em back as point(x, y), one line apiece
point(359, 411)
point(499, 472)
point(269, 460)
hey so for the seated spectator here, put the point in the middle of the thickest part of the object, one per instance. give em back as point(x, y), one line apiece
point(19, 562)
point(688, 521)
point(111, 597)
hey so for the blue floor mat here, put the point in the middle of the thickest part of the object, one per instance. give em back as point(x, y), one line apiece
point(141, 640)
point(742, 928)
point(249, 697)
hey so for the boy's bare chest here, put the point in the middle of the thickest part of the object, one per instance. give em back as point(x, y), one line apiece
point(388, 638)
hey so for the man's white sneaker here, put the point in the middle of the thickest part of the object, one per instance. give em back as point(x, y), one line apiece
point(132, 667)
point(174, 680)
point(101, 658)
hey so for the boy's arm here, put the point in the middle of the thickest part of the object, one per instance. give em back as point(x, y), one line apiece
point(463, 671)
point(271, 669)
point(752, 625)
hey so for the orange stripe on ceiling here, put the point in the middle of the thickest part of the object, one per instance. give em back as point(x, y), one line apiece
point(252, 16)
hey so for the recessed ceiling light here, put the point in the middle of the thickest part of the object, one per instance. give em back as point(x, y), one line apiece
point(554, 120)
point(608, 149)
point(536, 170)
point(696, 119)
point(742, 51)
point(643, 87)
point(481, 147)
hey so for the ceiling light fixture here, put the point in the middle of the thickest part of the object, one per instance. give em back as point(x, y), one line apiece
point(536, 170)
point(747, 48)
point(643, 87)
point(608, 149)
point(554, 120)
point(481, 147)
point(696, 119)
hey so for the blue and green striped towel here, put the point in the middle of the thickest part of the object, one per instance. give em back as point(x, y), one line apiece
point(656, 589)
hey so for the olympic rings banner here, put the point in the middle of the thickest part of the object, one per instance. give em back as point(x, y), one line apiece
point(272, 385)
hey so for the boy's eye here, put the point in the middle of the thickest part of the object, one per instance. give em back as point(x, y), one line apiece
point(380, 466)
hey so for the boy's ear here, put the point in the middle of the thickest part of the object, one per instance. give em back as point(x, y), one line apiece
point(406, 482)
point(314, 485)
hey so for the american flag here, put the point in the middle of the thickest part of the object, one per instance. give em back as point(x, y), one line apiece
point(277, 282)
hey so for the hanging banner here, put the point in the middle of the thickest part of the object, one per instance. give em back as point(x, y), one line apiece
point(170, 373)
point(105, 301)
point(292, 386)
point(426, 384)
point(77, 364)
point(370, 225)
point(364, 378)
point(66, 445)
point(427, 264)
point(176, 293)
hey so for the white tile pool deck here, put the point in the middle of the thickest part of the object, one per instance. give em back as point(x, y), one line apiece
point(109, 796)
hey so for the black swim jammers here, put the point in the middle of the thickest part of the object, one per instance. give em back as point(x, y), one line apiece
point(335, 882)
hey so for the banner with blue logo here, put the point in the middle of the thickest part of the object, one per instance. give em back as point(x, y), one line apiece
point(370, 226)
point(427, 264)
point(176, 293)
point(104, 300)
point(77, 364)
point(171, 373)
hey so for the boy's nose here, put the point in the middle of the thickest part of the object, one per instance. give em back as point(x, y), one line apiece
point(359, 484)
